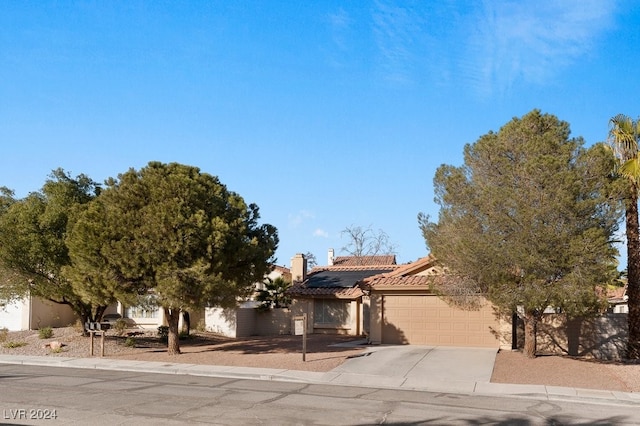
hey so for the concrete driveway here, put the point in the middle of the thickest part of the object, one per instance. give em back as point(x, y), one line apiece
point(421, 367)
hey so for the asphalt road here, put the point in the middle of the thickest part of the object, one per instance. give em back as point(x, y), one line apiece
point(48, 395)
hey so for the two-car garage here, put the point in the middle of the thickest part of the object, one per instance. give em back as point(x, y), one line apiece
point(429, 320)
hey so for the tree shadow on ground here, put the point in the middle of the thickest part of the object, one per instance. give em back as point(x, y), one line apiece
point(210, 342)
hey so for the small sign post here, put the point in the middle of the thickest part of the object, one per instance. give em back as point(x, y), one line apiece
point(300, 328)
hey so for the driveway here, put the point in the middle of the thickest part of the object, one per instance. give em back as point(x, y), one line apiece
point(419, 366)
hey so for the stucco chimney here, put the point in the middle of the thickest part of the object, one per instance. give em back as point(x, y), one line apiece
point(330, 257)
point(298, 268)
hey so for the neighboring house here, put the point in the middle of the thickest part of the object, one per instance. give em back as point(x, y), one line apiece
point(147, 316)
point(276, 272)
point(330, 295)
point(405, 310)
point(617, 299)
point(244, 320)
point(32, 313)
point(141, 316)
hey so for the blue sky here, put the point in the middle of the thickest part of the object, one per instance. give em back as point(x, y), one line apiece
point(326, 114)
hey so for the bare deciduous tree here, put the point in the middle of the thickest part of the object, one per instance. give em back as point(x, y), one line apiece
point(367, 242)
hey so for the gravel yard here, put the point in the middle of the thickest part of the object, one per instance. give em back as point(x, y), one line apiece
point(200, 348)
point(285, 352)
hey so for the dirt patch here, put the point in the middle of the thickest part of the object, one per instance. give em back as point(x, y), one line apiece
point(514, 367)
point(281, 352)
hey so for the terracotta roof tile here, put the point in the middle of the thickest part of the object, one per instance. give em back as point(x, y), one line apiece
point(364, 260)
point(317, 269)
point(617, 295)
point(411, 281)
point(414, 267)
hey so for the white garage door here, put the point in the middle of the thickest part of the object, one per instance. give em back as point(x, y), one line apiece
point(11, 316)
point(428, 320)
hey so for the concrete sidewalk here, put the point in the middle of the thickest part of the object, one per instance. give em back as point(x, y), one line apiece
point(432, 369)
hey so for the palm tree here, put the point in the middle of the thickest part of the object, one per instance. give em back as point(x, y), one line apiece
point(274, 294)
point(624, 135)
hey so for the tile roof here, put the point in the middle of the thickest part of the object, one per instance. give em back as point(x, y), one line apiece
point(364, 260)
point(388, 268)
point(419, 265)
point(404, 277)
point(299, 290)
point(281, 269)
point(340, 278)
point(617, 295)
point(411, 281)
point(337, 281)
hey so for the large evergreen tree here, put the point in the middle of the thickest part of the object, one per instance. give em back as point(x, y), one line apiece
point(528, 219)
point(33, 252)
point(177, 233)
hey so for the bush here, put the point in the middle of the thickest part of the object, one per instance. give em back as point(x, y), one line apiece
point(45, 332)
point(163, 332)
point(120, 326)
point(4, 332)
point(130, 342)
point(78, 326)
point(11, 345)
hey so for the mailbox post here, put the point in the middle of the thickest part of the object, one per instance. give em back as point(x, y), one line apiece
point(96, 327)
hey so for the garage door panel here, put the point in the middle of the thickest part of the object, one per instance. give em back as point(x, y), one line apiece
point(428, 320)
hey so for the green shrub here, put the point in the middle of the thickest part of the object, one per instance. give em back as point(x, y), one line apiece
point(4, 332)
point(130, 342)
point(45, 332)
point(11, 345)
point(78, 326)
point(163, 332)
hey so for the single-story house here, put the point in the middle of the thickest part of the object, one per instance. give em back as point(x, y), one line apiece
point(330, 295)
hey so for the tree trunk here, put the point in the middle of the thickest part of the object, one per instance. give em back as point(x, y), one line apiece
point(173, 319)
point(530, 332)
point(633, 274)
point(186, 322)
point(100, 313)
point(85, 318)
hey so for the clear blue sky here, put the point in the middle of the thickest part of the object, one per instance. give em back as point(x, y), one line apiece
point(326, 114)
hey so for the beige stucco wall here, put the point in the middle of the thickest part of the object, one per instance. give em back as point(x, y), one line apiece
point(602, 337)
point(48, 314)
point(273, 322)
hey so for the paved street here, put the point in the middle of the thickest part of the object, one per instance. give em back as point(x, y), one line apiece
point(81, 396)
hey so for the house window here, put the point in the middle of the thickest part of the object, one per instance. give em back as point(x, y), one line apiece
point(146, 308)
point(331, 311)
point(141, 312)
